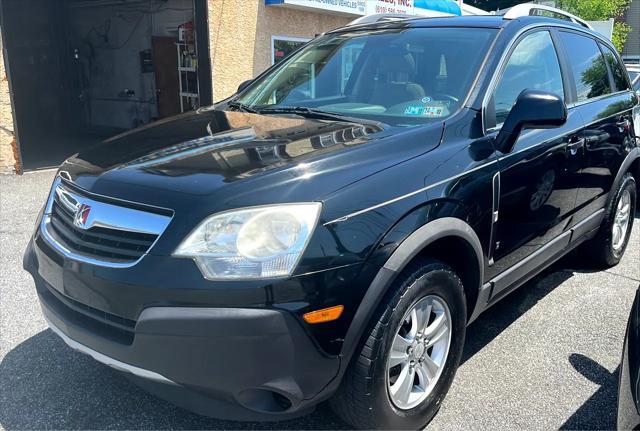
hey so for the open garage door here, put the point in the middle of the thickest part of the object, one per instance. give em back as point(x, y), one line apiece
point(84, 70)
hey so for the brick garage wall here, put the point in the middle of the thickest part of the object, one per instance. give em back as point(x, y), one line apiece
point(240, 37)
point(7, 159)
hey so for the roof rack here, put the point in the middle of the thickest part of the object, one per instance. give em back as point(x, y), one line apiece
point(381, 17)
point(532, 9)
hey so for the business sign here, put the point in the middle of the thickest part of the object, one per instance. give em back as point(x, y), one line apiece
point(345, 7)
point(368, 7)
point(390, 6)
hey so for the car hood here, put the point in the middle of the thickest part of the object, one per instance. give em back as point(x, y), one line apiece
point(238, 158)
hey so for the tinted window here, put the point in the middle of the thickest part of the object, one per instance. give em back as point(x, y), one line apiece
point(587, 65)
point(398, 76)
point(532, 65)
point(284, 47)
point(617, 70)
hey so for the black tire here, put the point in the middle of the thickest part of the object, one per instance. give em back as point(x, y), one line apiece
point(363, 400)
point(600, 249)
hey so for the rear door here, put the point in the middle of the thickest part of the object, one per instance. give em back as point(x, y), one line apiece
point(605, 101)
point(536, 184)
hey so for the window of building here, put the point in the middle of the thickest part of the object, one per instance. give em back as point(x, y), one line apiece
point(588, 66)
point(532, 65)
point(617, 70)
point(282, 46)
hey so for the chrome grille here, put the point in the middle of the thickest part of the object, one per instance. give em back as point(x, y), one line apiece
point(108, 234)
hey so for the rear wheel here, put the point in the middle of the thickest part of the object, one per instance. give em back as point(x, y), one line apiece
point(411, 352)
point(610, 243)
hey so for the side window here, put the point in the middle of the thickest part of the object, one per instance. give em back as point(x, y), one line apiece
point(587, 65)
point(532, 65)
point(617, 70)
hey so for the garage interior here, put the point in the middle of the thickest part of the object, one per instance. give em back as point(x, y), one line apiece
point(81, 71)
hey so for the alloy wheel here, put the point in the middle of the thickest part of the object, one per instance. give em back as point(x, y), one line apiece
point(621, 221)
point(419, 352)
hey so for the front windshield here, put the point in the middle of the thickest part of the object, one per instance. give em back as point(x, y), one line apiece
point(402, 76)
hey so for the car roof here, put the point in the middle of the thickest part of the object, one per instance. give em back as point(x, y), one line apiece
point(475, 21)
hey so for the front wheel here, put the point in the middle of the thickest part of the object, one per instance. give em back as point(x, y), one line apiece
point(411, 352)
point(610, 243)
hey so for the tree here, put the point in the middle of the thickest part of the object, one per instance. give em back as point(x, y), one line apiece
point(591, 10)
point(601, 10)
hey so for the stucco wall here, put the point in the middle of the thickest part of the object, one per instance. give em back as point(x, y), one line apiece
point(240, 37)
point(7, 161)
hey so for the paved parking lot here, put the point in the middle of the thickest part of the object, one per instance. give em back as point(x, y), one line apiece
point(545, 357)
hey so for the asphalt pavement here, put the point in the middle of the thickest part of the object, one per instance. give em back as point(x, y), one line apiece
point(545, 357)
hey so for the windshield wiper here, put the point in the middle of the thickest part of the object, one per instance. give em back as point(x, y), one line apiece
point(316, 113)
point(303, 111)
point(242, 107)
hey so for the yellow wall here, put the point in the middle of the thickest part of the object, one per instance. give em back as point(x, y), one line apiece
point(6, 121)
point(240, 37)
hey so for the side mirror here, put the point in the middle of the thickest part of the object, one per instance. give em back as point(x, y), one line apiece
point(244, 85)
point(533, 110)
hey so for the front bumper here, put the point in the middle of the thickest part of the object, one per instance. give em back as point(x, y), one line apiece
point(227, 362)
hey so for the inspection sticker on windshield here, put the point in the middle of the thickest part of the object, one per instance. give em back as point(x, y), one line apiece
point(433, 111)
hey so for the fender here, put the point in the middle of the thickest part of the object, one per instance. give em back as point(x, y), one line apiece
point(407, 250)
point(631, 157)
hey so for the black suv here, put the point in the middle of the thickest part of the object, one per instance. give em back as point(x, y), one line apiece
point(332, 229)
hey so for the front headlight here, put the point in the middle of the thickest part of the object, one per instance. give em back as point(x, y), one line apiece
point(259, 242)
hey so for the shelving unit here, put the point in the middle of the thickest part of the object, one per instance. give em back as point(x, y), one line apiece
point(188, 76)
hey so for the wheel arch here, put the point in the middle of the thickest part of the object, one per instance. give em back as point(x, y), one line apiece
point(449, 239)
point(630, 164)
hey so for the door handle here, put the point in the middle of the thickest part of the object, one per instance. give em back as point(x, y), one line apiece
point(576, 145)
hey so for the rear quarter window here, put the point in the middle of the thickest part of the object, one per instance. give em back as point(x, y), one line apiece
point(617, 70)
point(587, 65)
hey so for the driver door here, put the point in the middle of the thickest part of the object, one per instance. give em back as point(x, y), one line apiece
point(537, 180)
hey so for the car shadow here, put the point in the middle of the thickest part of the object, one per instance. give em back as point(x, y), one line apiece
point(47, 385)
point(595, 413)
point(44, 384)
point(500, 316)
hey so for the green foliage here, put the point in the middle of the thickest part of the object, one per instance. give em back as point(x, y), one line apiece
point(594, 10)
point(590, 10)
point(620, 32)
point(601, 10)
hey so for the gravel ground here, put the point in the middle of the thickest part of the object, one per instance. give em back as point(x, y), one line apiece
point(545, 357)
